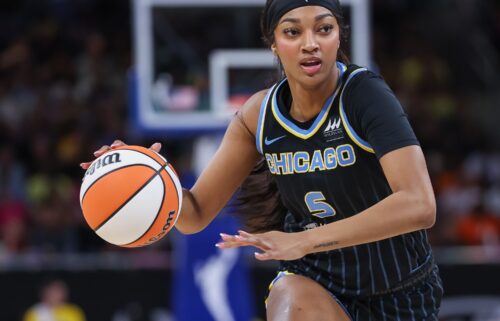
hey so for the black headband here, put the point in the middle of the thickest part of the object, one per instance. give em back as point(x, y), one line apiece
point(279, 7)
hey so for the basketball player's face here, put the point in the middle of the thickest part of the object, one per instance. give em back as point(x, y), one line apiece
point(306, 42)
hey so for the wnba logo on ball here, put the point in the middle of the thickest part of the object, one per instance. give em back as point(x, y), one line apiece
point(107, 160)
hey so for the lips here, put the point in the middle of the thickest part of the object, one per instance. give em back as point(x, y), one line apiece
point(311, 65)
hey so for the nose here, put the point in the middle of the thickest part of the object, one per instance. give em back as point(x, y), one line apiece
point(310, 44)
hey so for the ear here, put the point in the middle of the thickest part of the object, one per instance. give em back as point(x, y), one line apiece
point(274, 49)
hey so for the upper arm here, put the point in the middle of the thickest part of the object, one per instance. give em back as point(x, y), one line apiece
point(406, 172)
point(405, 169)
point(380, 118)
point(231, 164)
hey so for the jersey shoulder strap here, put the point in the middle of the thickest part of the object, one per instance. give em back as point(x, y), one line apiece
point(259, 135)
point(352, 72)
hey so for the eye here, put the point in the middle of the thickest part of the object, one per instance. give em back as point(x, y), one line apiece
point(326, 28)
point(292, 32)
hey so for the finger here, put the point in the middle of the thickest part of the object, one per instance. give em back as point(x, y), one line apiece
point(228, 238)
point(255, 243)
point(241, 232)
point(85, 165)
point(247, 235)
point(101, 150)
point(259, 242)
point(117, 143)
point(230, 241)
point(228, 245)
point(156, 147)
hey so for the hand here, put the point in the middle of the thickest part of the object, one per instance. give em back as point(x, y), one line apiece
point(117, 143)
point(274, 245)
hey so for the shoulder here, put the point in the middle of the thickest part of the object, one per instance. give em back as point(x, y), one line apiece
point(249, 112)
point(365, 82)
point(368, 91)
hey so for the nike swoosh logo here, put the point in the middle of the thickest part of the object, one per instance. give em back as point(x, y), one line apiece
point(272, 141)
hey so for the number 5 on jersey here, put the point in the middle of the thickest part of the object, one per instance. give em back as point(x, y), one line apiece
point(316, 204)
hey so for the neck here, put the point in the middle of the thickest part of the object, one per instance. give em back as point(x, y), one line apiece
point(307, 101)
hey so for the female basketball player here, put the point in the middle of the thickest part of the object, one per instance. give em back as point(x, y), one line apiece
point(354, 196)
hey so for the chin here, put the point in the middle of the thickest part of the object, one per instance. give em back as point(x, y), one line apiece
point(313, 81)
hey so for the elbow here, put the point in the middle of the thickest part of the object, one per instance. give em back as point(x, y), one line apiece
point(426, 214)
point(191, 218)
point(192, 223)
point(188, 229)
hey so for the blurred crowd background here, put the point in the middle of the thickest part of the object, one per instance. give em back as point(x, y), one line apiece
point(63, 93)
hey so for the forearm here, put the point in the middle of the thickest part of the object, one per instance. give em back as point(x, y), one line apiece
point(230, 165)
point(399, 213)
point(214, 188)
point(200, 207)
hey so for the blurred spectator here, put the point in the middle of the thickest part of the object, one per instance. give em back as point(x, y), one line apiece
point(12, 173)
point(461, 196)
point(95, 68)
point(478, 227)
point(13, 210)
point(12, 225)
point(54, 306)
point(492, 199)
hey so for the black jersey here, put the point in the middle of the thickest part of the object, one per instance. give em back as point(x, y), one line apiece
point(327, 169)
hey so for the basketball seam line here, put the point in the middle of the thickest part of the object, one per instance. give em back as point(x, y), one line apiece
point(110, 172)
point(131, 197)
point(157, 214)
point(131, 150)
point(176, 193)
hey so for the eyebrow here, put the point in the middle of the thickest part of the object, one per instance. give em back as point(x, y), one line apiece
point(317, 18)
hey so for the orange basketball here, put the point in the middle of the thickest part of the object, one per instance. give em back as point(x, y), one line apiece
point(131, 196)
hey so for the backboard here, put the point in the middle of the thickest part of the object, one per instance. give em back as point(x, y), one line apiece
point(197, 61)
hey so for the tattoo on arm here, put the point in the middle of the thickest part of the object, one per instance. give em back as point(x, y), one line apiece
point(326, 244)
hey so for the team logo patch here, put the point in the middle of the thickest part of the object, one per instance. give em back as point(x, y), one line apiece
point(333, 130)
